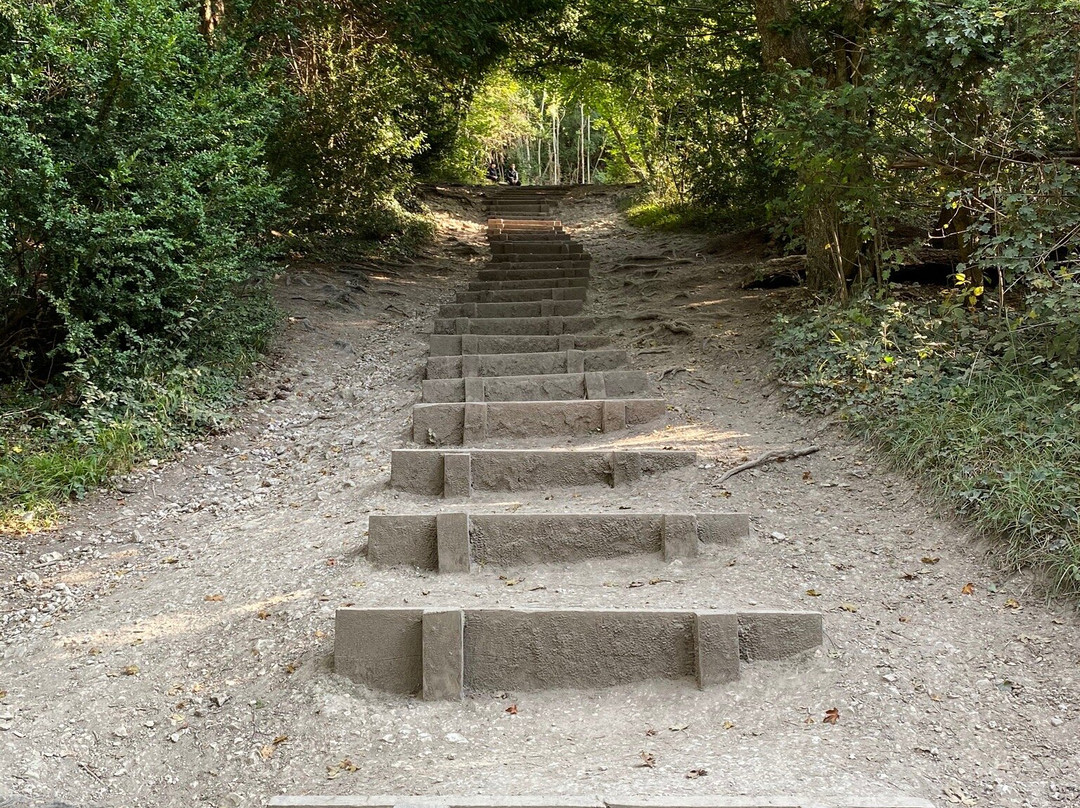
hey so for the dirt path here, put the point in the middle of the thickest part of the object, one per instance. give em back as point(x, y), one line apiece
point(169, 646)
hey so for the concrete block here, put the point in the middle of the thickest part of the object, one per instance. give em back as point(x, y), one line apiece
point(470, 366)
point(716, 645)
point(473, 389)
point(525, 649)
point(443, 644)
point(774, 635)
point(523, 295)
point(474, 428)
point(470, 423)
point(579, 282)
point(679, 536)
point(436, 472)
point(457, 475)
point(380, 648)
point(625, 467)
point(544, 387)
point(453, 542)
point(402, 540)
point(595, 387)
point(507, 326)
point(526, 364)
point(613, 416)
point(527, 308)
point(455, 345)
point(535, 538)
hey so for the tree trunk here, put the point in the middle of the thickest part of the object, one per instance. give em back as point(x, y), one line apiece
point(211, 14)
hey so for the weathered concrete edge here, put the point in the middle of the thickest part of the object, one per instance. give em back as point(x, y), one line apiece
point(765, 801)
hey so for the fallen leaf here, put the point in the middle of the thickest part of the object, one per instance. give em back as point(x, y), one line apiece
point(3, 695)
point(214, 598)
point(130, 670)
point(930, 559)
point(263, 614)
point(806, 475)
point(679, 728)
point(969, 588)
point(319, 634)
point(635, 584)
point(694, 774)
point(331, 562)
point(849, 607)
point(650, 732)
point(1012, 603)
point(171, 560)
point(831, 716)
point(94, 652)
point(648, 761)
point(266, 752)
point(909, 576)
point(729, 725)
point(813, 593)
point(280, 739)
point(512, 709)
point(902, 619)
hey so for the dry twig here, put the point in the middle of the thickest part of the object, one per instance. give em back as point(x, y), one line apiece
point(775, 456)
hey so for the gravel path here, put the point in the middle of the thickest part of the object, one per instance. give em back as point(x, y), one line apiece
point(169, 645)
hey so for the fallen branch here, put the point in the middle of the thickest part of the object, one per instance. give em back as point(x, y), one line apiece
point(775, 456)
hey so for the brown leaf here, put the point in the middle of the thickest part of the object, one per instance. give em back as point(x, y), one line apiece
point(3, 695)
point(650, 732)
point(266, 752)
point(1012, 603)
point(930, 559)
point(94, 652)
point(694, 774)
point(902, 619)
point(849, 607)
point(729, 725)
point(130, 670)
point(648, 761)
point(512, 709)
point(280, 739)
point(806, 475)
point(218, 598)
point(969, 589)
point(813, 593)
point(831, 716)
point(263, 614)
point(171, 560)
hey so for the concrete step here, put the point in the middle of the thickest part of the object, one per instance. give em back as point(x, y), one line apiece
point(524, 364)
point(547, 387)
point(536, 283)
point(513, 325)
point(539, 258)
point(509, 223)
point(567, 269)
point(537, 247)
point(536, 236)
point(466, 344)
point(768, 800)
point(526, 308)
point(521, 295)
point(469, 423)
point(442, 653)
point(442, 473)
point(454, 542)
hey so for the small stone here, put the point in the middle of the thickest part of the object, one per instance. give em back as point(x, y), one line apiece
point(120, 732)
point(456, 737)
point(1056, 722)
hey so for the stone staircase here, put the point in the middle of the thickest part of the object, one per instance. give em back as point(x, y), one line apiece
point(515, 360)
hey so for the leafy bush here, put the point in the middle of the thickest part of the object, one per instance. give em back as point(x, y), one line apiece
point(134, 193)
point(982, 405)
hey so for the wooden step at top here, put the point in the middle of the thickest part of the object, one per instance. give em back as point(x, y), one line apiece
point(545, 387)
point(444, 653)
point(459, 472)
point(467, 344)
point(512, 539)
point(524, 364)
point(525, 308)
point(471, 423)
point(522, 295)
point(513, 325)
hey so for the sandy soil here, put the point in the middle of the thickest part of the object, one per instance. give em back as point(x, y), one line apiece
point(169, 646)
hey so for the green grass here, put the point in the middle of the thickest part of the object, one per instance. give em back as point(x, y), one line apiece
point(989, 429)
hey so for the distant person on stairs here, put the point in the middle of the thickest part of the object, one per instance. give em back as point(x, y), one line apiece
point(493, 172)
point(512, 176)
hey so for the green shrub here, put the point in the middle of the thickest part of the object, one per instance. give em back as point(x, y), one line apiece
point(982, 406)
